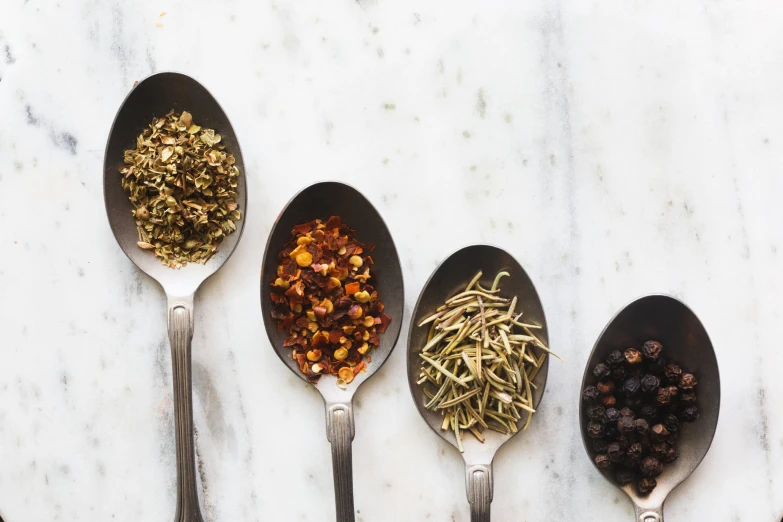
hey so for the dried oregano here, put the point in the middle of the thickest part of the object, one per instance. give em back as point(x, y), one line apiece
point(182, 184)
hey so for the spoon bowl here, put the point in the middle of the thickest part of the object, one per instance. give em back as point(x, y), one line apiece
point(448, 279)
point(323, 200)
point(669, 321)
point(156, 96)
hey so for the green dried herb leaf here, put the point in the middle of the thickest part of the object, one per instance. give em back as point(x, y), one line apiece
point(181, 184)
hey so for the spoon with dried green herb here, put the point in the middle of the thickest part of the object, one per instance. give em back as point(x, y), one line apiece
point(478, 359)
point(176, 230)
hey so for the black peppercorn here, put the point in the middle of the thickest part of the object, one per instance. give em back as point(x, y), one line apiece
point(625, 425)
point(627, 412)
point(615, 452)
point(612, 415)
point(670, 455)
point(687, 381)
point(619, 374)
point(634, 403)
point(605, 387)
point(657, 366)
point(650, 383)
point(601, 371)
point(659, 449)
point(671, 423)
point(608, 401)
point(595, 429)
point(624, 477)
point(615, 359)
point(611, 431)
point(596, 412)
point(634, 371)
point(689, 413)
point(631, 386)
point(663, 396)
point(590, 393)
point(602, 461)
point(633, 356)
point(651, 467)
point(599, 445)
point(673, 391)
point(672, 373)
point(644, 440)
point(634, 451)
point(642, 426)
point(649, 412)
point(646, 485)
point(659, 432)
point(652, 349)
point(688, 397)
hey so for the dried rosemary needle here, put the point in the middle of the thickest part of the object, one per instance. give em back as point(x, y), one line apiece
point(182, 184)
point(480, 361)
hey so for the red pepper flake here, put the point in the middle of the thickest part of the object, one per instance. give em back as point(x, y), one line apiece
point(323, 298)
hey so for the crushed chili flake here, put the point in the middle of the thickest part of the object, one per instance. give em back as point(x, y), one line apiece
point(323, 298)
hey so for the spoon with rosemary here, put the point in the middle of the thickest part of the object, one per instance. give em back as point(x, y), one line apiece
point(478, 359)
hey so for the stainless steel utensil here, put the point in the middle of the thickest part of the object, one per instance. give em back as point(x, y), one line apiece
point(323, 200)
point(448, 279)
point(156, 96)
point(685, 341)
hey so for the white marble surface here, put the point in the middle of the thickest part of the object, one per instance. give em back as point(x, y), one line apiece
point(615, 148)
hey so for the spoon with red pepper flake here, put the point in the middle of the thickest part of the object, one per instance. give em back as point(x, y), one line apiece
point(675, 327)
point(365, 275)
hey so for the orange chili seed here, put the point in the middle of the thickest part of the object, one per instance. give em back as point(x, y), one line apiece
point(345, 374)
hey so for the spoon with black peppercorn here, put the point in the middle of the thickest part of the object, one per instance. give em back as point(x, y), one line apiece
point(447, 280)
point(685, 342)
point(155, 96)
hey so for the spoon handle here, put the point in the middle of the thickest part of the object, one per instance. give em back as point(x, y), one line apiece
point(479, 483)
point(649, 514)
point(340, 431)
point(180, 323)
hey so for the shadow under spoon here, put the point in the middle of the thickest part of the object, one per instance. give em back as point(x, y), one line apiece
point(686, 343)
point(156, 96)
point(323, 200)
point(449, 279)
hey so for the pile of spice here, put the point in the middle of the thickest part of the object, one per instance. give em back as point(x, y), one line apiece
point(323, 298)
point(635, 412)
point(182, 184)
point(480, 361)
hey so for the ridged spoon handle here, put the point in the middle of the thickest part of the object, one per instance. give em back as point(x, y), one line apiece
point(340, 432)
point(479, 484)
point(649, 515)
point(180, 322)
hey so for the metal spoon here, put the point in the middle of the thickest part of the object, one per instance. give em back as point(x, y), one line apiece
point(323, 200)
point(685, 341)
point(447, 280)
point(156, 96)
